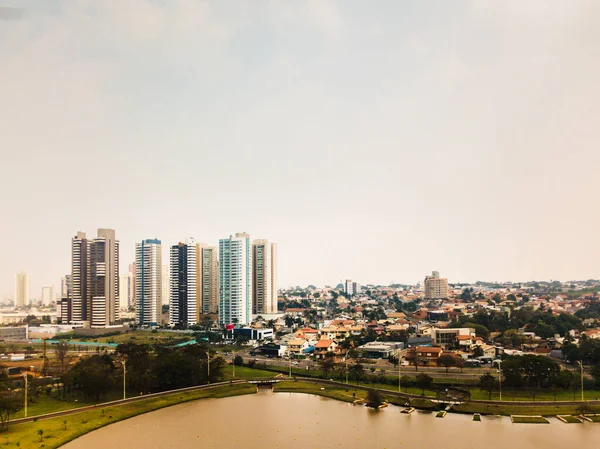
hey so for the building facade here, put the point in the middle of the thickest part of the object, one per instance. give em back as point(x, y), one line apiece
point(148, 286)
point(165, 285)
point(352, 288)
point(235, 280)
point(435, 287)
point(264, 277)
point(183, 305)
point(21, 289)
point(79, 301)
point(126, 286)
point(48, 295)
point(208, 277)
point(104, 279)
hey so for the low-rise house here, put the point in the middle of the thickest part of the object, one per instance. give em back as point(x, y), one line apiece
point(324, 346)
point(428, 355)
point(297, 346)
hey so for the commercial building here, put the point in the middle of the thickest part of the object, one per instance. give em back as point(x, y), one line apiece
point(79, 302)
point(21, 289)
point(435, 287)
point(148, 286)
point(449, 337)
point(208, 277)
point(126, 285)
point(235, 280)
point(380, 350)
point(264, 277)
point(183, 306)
point(14, 333)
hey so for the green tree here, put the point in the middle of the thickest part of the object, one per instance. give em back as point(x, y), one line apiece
point(357, 371)
point(423, 381)
point(478, 351)
point(40, 432)
point(326, 365)
point(374, 399)
point(238, 360)
point(488, 383)
point(447, 361)
point(10, 403)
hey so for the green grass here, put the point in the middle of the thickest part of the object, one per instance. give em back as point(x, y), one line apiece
point(477, 418)
point(594, 418)
point(510, 409)
point(243, 372)
point(142, 337)
point(440, 414)
point(333, 392)
point(569, 419)
point(529, 420)
point(55, 434)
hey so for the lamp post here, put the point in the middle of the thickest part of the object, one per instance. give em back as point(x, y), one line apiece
point(500, 377)
point(208, 365)
point(123, 362)
point(399, 374)
point(25, 407)
point(581, 367)
point(346, 367)
point(233, 364)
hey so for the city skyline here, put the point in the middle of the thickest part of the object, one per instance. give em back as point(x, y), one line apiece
point(394, 140)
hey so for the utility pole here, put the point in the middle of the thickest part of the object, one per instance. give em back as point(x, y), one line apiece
point(45, 365)
point(25, 407)
point(346, 367)
point(399, 374)
point(290, 366)
point(233, 364)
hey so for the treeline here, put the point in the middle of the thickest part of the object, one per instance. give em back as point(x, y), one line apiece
point(149, 369)
point(542, 322)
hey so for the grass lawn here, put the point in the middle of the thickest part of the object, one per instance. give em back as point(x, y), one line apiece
point(243, 372)
point(143, 337)
point(529, 420)
point(510, 409)
point(594, 418)
point(477, 417)
point(57, 432)
point(333, 392)
point(569, 419)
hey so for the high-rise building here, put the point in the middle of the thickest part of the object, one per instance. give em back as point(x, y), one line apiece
point(165, 285)
point(21, 289)
point(208, 276)
point(79, 302)
point(126, 285)
point(64, 304)
point(132, 284)
point(104, 279)
point(435, 287)
point(352, 288)
point(48, 295)
point(183, 307)
point(235, 280)
point(148, 285)
point(264, 277)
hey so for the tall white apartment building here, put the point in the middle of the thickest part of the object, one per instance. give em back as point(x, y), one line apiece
point(183, 305)
point(48, 295)
point(352, 288)
point(264, 277)
point(208, 275)
point(148, 285)
point(126, 287)
point(235, 280)
point(435, 287)
point(21, 289)
point(166, 282)
point(79, 303)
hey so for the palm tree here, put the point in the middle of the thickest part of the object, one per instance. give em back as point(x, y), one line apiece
point(40, 432)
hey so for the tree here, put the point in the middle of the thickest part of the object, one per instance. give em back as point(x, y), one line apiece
point(478, 351)
point(238, 360)
point(374, 399)
point(10, 403)
point(40, 432)
point(596, 374)
point(447, 361)
point(460, 363)
point(326, 365)
point(423, 381)
point(61, 351)
point(488, 383)
point(357, 371)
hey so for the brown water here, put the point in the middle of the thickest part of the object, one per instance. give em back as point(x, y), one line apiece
point(287, 420)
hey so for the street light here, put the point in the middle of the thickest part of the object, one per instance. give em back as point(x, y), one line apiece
point(399, 374)
point(123, 362)
point(208, 365)
point(25, 408)
point(500, 377)
point(581, 366)
point(233, 364)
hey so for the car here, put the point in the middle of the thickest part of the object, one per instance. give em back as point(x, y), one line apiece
point(295, 363)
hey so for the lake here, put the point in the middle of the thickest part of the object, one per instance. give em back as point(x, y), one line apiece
point(294, 420)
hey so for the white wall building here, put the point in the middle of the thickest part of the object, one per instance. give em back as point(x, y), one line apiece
point(235, 280)
point(48, 295)
point(148, 285)
point(21, 289)
point(264, 277)
point(435, 287)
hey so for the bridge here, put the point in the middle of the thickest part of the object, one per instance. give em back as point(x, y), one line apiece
point(263, 381)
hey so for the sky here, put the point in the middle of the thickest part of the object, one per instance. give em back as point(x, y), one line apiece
point(374, 141)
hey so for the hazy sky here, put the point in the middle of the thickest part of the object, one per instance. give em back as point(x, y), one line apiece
point(372, 140)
